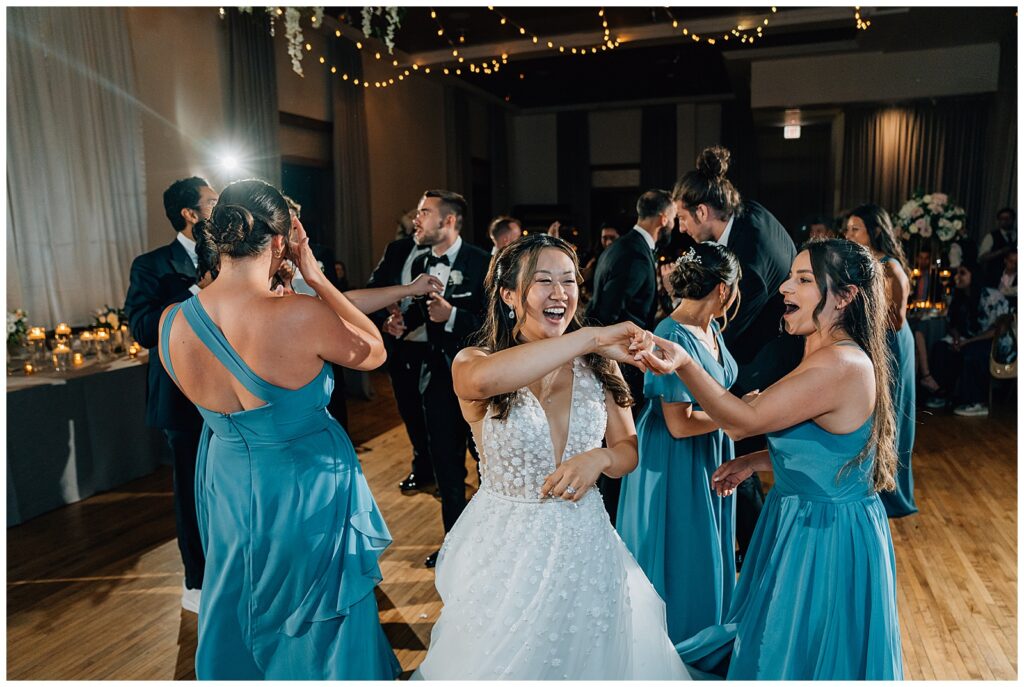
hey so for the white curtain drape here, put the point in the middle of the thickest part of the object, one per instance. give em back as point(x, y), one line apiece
point(75, 174)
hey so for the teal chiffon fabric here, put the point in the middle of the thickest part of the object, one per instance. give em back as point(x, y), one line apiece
point(679, 531)
point(291, 532)
point(900, 502)
point(816, 599)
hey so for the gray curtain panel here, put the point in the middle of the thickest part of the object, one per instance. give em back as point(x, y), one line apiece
point(252, 113)
point(353, 235)
point(935, 146)
point(76, 197)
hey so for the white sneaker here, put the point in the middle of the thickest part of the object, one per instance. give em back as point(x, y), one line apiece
point(971, 410)
point(190, 598)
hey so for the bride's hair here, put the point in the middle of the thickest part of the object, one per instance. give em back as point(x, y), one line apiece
point(513, 269)
point(839, 264)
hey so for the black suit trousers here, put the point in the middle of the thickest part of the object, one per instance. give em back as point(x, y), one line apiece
point(184, 446)
point(405, 359)
point(447, 434)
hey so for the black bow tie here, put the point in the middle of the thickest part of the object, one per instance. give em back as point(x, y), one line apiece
point(434, 260)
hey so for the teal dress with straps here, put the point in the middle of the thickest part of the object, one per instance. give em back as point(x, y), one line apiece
point(291, 532)
point(900, 501)
point(816, 599)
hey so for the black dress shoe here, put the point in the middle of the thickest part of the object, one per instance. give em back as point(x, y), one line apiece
point(414, 483)
point(431, 560)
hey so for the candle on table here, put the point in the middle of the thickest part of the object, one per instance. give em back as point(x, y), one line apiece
point(29, 369)
point(37, 334)
point(63, 329)
point(77, 360)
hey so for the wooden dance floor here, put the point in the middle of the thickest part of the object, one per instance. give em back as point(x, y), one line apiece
point(93, 589)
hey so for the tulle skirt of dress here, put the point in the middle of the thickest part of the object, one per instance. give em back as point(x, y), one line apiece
point(544, 590)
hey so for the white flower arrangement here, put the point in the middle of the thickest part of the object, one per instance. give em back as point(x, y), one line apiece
point(931, 214)
point(109, 317)
point(17, 327)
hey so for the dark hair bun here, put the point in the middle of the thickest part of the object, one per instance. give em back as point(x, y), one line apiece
point(702, 268)
point(713, 162)
point(230, 225)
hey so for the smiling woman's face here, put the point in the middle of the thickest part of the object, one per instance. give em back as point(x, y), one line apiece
point(551, 297)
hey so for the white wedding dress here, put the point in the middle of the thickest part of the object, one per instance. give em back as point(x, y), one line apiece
point(543, 589)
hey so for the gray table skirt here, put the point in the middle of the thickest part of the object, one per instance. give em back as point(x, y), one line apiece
point(69, 441)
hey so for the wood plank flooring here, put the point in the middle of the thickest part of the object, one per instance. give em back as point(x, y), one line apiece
point(93, 589)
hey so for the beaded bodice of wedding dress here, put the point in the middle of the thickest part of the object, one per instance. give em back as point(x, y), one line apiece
point(518, 453)
point(539, 589)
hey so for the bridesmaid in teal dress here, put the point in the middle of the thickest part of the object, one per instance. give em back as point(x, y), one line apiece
point(870, 226)
point(291, 532)
point(678, 530)
point(817, 599)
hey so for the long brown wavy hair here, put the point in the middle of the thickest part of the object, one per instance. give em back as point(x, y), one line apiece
point(839, 264)
point(513, 269)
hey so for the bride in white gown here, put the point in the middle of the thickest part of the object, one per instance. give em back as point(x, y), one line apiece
point(536, 583)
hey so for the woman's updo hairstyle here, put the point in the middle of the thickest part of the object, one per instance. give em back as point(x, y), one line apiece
point(701, 269)
point(708, 185)
point(247, 215)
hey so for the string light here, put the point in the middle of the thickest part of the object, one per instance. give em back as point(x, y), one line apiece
point(862, 24)
point(607, 41)
point(744, 34)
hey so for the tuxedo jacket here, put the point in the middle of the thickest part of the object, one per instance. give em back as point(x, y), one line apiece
point(467, 296)
point(158, 279)
point(625, 286)
point(765, 252)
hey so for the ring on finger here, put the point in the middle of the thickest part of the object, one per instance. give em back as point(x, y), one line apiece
point(570, 490)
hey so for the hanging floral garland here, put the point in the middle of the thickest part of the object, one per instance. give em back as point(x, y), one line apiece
point(391, 17)
point(292, 29)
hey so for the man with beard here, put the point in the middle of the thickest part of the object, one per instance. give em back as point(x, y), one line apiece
point(444, 324)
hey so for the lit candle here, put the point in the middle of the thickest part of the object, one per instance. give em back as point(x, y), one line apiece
point(133, 350)
point(29, 369)
point(103, 335)
point(61, 357)
point(86, 336)
point(37, 334)
point(63, 329)
point(77, 360)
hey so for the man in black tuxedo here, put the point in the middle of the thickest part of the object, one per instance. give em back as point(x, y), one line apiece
point(710, 209)
point(405, 358)
point(626, 288)
point(159, 278)
point(447, 323)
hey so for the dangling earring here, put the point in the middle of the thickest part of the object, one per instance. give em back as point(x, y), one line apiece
point(511, 313)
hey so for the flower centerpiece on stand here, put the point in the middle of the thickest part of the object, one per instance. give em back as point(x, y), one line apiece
point(17, 332)
point(930, 225)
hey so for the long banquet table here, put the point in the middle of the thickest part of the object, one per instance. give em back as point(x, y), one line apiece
point(72, 435)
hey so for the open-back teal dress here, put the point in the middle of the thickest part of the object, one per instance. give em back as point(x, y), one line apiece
point(816, 599)
point(291, 532)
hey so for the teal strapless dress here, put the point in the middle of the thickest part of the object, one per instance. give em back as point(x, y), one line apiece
point(900, 501)
point(816, 599)
point(291, 532)
point(679, 531)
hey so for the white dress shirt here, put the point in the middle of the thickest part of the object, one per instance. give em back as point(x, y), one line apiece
point(442, 272)
point(190, 248)
point(724, 239)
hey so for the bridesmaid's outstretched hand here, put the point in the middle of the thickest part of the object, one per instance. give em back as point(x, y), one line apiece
point(664, 357)
point(620, 342)
point(729, 475)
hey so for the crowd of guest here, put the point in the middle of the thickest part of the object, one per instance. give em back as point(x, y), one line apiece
point(706, 347)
